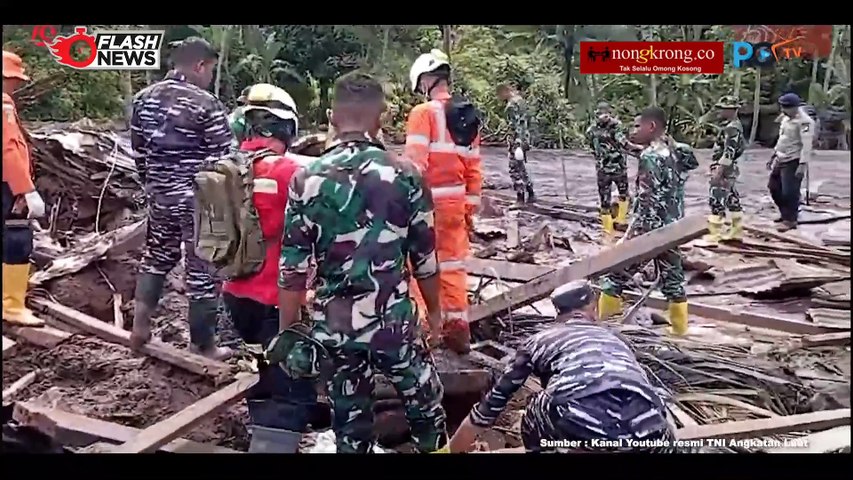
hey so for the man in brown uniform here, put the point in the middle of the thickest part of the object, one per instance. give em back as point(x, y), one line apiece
point(21, 202)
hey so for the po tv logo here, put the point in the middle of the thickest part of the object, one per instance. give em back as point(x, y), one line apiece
point(764, 54)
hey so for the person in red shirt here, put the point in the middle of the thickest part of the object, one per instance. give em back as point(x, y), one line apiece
point(279, 406)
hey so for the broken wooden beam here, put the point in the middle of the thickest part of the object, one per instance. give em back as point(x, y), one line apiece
point(635, 250)
point(45, 337)
point(827, 340)
point(740, 315)
point(159, 434)
point(8, 345)
point(548, 203)
point(821, 442)
point(763, 427)
point(75, 430)
point(505, 270)
point(792, 239)
point(184, 359)
point(19, 386)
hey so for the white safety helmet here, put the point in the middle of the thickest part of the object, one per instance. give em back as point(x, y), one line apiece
point(272, 99)
point(426, 63)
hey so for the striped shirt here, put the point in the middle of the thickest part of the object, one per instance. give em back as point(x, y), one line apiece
point(573, 361)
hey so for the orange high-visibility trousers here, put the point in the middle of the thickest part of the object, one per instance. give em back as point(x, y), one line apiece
point(451, 239)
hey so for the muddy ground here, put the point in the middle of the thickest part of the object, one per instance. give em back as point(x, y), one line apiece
point(108, 382)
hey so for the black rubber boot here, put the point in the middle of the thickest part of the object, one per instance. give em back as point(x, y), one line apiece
point(203, 317)
point(149, 289)
point(531, 197)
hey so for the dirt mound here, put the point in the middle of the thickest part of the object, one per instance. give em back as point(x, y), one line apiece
point(91, 290)
point(109, 382)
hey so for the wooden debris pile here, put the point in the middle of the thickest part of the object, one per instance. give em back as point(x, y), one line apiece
point(85, 174)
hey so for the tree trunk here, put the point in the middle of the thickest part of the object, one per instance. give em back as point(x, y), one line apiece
point(446, 32)
point(815, 64)
point(127, 92)
point(830, 62)
point(223, 57)
point(756, 106)
point(385, 35)
point(569, 57)
point(738, 79)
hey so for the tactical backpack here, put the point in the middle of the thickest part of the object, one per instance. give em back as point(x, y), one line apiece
point(228, 230)
point(463, 120)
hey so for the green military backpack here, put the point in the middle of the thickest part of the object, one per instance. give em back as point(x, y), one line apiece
point(228, 230)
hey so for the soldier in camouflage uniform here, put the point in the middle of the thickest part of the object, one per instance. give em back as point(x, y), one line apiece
point(657, 205)
point(723, 194)
point(176, 125)
point(518, 142)
point(685, 161)
point(362, 213)
point(608, 140)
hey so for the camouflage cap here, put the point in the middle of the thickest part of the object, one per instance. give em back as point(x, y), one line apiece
point(572, 296)
point(728, 101)
point(603, 107)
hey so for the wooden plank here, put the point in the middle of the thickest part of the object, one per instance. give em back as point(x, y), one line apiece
point(827, 339)
point(505, 270)
point(820, 442)
point(191, 362)
point(19, 386)
point(46, 336)
point(683, 417)
point(739, 315)
point(8, 345)
point(637, 249)
point(74, 430)
point(763, 427)
point(157, 435)
point(548, 203)
point(118, 317)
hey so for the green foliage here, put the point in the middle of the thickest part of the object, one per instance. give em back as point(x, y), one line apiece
point(95, 95)
point(541, 60)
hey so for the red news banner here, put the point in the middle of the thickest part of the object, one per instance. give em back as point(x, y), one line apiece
point(652, 57)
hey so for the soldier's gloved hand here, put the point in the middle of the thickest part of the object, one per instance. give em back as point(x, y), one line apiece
point(35, 204)
point(771, 161)
point(801, 170)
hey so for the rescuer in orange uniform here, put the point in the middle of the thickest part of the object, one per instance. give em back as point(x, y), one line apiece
point(442, 140)
point(21, 202)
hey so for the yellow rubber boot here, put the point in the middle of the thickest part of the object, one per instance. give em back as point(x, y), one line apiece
point(715, 224)
point(608, 306)
point(15, 278)
point(678, 318)
point(607, 223)
point(735, 234)
point(622, 212)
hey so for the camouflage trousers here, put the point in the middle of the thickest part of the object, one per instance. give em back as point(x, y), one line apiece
point(670, 267)
point(723, 194)
point(609, 415)
point(395, 352)
point(605, 182)
point(518, 174)
point(171, 223)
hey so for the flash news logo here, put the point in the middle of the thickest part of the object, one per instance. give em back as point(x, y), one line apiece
point(108, 49)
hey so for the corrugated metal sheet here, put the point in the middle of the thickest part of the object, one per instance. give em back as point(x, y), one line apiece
point(774, 276)
point(829, 317)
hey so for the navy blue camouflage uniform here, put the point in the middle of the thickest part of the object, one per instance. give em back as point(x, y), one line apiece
point(593, 389)
point(175, 127)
